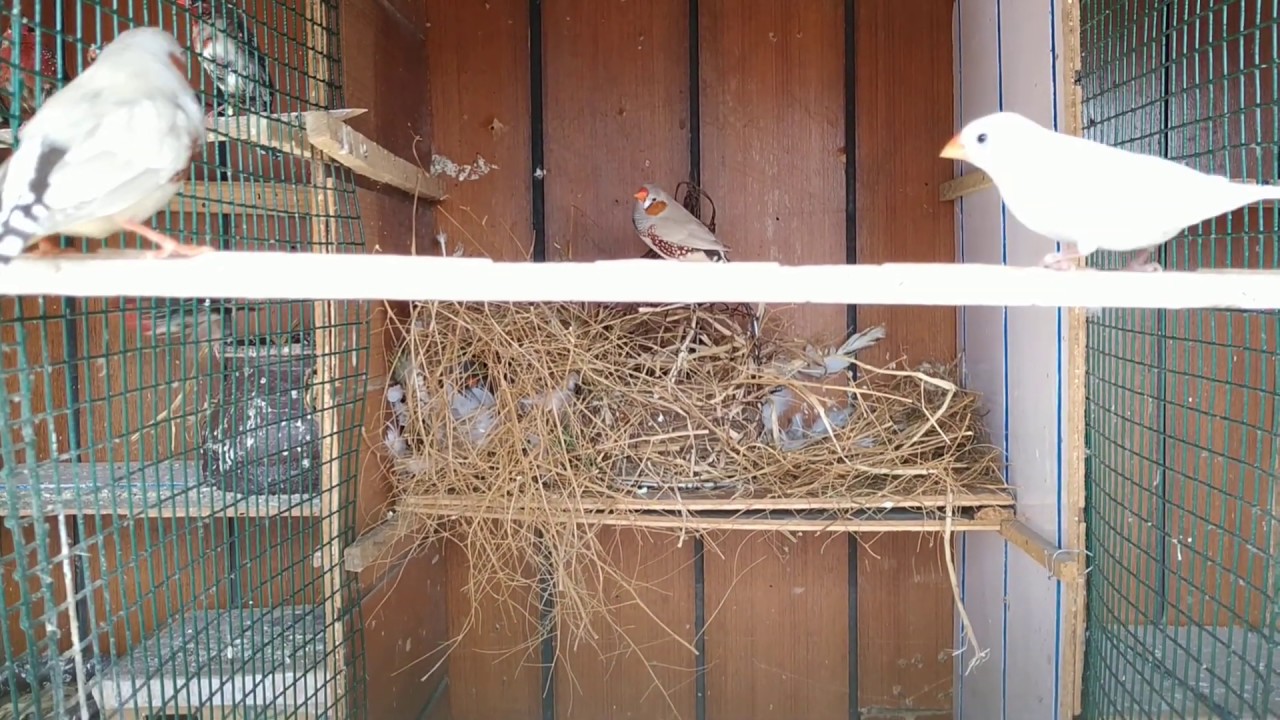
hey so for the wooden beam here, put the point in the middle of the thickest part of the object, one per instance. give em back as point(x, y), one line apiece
point(987, 519)
point(283, 131)
point(445, 504)
point(1061, 564)
point(277, 275)
point(377, 540)
point(346, 146)
point(242, 198)
point(967, 184)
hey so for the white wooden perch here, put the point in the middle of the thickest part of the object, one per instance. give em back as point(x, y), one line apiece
point(315, 276)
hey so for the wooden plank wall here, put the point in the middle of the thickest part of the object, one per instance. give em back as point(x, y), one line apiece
point(615, 111)
point(403, 602)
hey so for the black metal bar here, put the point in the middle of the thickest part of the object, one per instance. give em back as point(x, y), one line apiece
point(699, 629)
point(695, 100)
point(851, 311)
point(536, 130)
point(699, 548)
point(1162, 318)
point(547, 621)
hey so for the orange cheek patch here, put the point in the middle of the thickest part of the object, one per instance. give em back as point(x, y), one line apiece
point(656, 208)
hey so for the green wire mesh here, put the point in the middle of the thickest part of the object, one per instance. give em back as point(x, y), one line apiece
point(178, 475)
point(1181, 417)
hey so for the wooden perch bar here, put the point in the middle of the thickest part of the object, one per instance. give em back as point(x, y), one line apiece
point(323, 276)
point(967, 184)
point(346, 146)
point(1061, 564)
point(282, 131)
point(369, 547)
point(242, 198)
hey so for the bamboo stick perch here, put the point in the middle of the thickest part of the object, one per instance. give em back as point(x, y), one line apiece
point(322, 276)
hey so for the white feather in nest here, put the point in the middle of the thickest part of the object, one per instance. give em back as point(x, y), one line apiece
point(792, 422)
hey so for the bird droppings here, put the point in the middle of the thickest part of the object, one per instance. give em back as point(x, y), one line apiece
point(441, 165)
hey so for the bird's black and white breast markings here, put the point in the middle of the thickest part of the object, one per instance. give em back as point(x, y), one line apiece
point(23, 222)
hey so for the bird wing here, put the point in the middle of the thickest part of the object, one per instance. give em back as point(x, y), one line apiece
point(1075, 189)
point(92, 156)
point(679, 226)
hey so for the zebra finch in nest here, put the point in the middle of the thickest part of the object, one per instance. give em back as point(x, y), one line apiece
point(1074, 190)
point(672, 231)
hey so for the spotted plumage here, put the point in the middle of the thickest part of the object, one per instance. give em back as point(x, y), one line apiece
point(672, 231)
point(106, 152)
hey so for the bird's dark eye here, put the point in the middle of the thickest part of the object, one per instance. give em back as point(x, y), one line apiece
point(982, 138)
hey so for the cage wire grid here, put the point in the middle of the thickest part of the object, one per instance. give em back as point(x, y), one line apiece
point(1181, 412)
point(181, 448)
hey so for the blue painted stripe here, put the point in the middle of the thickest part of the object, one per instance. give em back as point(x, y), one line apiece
point(964, 345)
point(1058, 405)
point(1004, 260)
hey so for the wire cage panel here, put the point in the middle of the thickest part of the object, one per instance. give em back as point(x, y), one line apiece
point(1182, 408)
point(175, 472)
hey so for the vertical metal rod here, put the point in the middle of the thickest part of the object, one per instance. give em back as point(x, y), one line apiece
point(536, 131)
point(851, 312)
point(1162, 321)
point(699, 548)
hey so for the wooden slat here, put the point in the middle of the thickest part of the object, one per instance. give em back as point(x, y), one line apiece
point(617, 81)
point(478, 54)
point(163, 489)
point(904, 84)
point(1071, 703)
point(242, 198)
point(772, 98)
point(478, 57)
point(702, 504)
point(990, 520)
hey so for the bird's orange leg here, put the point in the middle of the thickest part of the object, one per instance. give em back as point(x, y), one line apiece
point(48, 247)
point(168, 246)
point(1064, 260)
point(1141, 262)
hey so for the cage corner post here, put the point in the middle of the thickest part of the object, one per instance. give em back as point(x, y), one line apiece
point(1071, 683)
point(327, 341)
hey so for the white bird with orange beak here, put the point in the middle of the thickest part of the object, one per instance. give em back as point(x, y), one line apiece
point(1094, 196)
point(672, 231)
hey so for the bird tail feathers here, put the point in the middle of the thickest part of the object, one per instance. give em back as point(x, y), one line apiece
point(12, 243)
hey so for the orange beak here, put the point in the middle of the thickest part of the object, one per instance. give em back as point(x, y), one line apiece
point(641, 194)
point(954, 149)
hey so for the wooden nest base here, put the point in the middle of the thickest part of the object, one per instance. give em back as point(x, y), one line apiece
point(519, 429)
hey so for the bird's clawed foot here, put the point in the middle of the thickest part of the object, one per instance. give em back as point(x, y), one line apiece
point(1142, 262)
point(48, 247)
point(1061, 261)
point(168, 246)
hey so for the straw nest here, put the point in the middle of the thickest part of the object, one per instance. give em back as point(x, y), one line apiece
point(519, 428)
